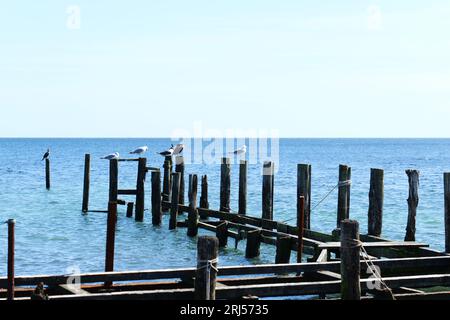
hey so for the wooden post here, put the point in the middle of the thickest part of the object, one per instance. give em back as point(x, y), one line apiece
point(175, 197)
point(204, 204)
point(243, 169)
point(156, 198)
point(300, 224)
point(87, 181)
point(222, 233)
point(225, 185)
point(267, 190)
point(343, 211)
point(304, 190)
point(252, 249)
point(179, 167)
point(350, 261)
point(413, 202)
point(11, 285)
point(167, 178)
point(376, 198)
point(447, 210)
point(113, 179)
point(206, 275)
point(192, 229)
point(283, 254)
point(140, 189)
point(110, 239)
point(47, 173)
point(130, 207)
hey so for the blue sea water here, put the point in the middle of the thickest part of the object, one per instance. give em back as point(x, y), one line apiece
point(52, 235)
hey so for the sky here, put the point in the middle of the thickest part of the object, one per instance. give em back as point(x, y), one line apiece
point(297, 68)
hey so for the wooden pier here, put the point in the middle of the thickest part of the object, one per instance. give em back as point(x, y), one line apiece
point(343, 264)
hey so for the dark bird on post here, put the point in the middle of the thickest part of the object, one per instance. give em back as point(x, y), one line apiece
point(46, 155)
point(167, 153)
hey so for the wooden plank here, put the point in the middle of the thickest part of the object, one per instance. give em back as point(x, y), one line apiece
point(130, 192)
point(390, 244)
point(71, 289)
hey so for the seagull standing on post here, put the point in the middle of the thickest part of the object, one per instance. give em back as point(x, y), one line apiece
point(112, 156)
point(178, 149)
point(167, 153)
point(46, 155)
point(140, 151)
point(241, 151)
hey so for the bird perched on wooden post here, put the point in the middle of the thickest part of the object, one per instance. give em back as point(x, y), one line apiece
point(139, 151)
point(46, 155)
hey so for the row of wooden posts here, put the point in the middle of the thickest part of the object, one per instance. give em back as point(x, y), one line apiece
point(172, 193)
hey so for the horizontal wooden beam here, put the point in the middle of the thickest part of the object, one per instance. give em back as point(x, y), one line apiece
point(127, 192)
point(387, 244)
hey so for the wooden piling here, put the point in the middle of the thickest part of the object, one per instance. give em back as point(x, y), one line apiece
point(113, 180)
point(175, 198)
point(252, 249)
point(130, 207)
point(140, 189)
point(225, 185)
point(222, 233)
point(87, 181)
point(376, 199)
point(300, 225)
point(110, 238)
point(447, 210)
point(156, 198)
point(268, 190)
point(243, 169)
point(204, 204)
point(47, 173)
point(283, 254)
point(413, 202)
point(167, 178)
point(192, 229)
point(350, 260)
point(179, 167)
point(11, 249)
point(304, 190)
point(206, 275)
point(343, 211)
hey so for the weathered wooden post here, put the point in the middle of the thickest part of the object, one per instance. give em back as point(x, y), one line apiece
point(222, 233)
point(304, 190)
point(113, 179)
point(156, 198)
point(413, 202)
point(110, 239)
point(243, 169)
point(167, 177)
point(47, 173)
point(179, 167)
point(11, 239)
point(87, 181)
point(283, 253)
point(206, 275)
point(252, 249)
point(130, 207)
point(204, 204)
point(268, 190)
point(300, 225)
point(140, 189)
point(376, 198)
point(447, 210)
point(192, 229)
point(175, 198)
point(343, 211)
point(225, 185)
point(350, 260)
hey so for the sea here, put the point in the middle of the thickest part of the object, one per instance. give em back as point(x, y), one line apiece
point(54, 237)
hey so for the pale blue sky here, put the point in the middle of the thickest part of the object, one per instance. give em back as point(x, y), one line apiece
point(305, 68)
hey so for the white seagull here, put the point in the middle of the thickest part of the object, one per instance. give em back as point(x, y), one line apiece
point(112, 156)
point(167, 153)
point(178, 149)
point(241, 151)
point(140, 150)
point(46, 155)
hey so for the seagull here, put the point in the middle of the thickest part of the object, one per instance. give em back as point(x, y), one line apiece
point(112, 156)
point(242, 150)
point(46, 155)
point(140, 150)
point(178, 149)
point(167, 153)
